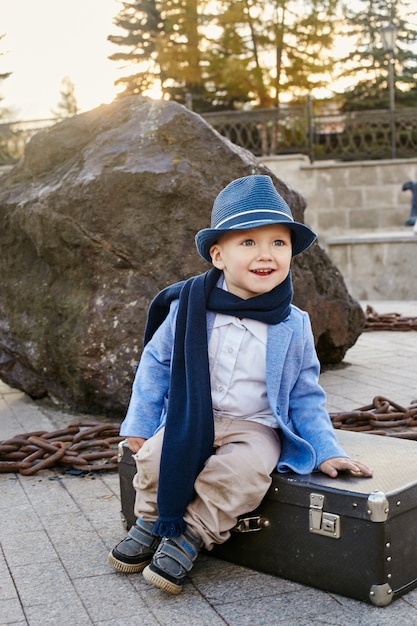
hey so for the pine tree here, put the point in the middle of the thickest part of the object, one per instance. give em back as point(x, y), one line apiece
point(370, 61)
point(163, 42)
point(68, 105)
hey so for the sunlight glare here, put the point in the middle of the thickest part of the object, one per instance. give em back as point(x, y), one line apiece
point(155, 92)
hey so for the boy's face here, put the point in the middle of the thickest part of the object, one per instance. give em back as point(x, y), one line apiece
point(255, 260)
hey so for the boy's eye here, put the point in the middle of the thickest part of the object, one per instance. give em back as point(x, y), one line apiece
point(248, 242)
point(278, 242)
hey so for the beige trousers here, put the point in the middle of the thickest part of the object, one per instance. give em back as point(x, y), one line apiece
point(233, 481)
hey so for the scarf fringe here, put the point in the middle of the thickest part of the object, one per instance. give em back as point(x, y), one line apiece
point(174, 528)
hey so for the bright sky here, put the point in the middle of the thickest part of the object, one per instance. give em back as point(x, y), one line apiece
point(47, 40)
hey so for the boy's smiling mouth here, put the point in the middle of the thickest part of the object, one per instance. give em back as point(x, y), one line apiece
point(262, 272)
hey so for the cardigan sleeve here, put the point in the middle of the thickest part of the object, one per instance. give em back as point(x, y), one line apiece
point(307, 402)
point(147, 406)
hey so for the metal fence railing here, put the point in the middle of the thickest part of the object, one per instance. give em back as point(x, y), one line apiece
point(342, 136)
point(349, 136)
point(264, 131)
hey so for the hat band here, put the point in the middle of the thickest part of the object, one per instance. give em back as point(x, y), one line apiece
point(261, 216)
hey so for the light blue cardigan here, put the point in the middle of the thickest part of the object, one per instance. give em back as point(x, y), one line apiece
point(296, 398)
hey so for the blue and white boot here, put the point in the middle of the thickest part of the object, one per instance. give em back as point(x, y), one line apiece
point(172, 561)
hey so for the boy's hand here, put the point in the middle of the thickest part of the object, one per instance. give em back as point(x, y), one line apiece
point(135, 443)
point(331, 467)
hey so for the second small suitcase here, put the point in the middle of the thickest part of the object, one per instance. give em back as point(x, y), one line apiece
point(352, 536)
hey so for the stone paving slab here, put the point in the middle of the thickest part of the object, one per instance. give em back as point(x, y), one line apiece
point(56, 530)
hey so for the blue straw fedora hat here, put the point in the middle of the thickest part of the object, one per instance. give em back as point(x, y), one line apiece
point(246, 203)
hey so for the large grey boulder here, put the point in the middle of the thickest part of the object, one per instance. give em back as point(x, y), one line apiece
point(101, 214)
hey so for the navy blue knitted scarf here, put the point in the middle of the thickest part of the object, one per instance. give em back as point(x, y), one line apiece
point(189, 428)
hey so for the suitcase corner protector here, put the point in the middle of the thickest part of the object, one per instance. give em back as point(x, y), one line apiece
point(381, 595)
point(377, 506)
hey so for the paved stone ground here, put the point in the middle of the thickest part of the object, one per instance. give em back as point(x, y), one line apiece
point(56, 530)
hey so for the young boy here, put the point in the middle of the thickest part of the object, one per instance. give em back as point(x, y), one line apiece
point(226, 390)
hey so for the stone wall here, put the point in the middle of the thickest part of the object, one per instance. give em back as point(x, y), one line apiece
point(358, 210)
point(377, 266)
point(351, 196)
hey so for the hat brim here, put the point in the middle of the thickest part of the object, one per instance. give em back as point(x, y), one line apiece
point(303, 237)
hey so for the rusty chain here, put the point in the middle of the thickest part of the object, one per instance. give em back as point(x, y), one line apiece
point(388, 321)
point(92, 446)
point(84, 446)
point(378, 418)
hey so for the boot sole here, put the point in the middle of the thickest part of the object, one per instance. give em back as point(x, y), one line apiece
point(127, 568)
point(161, 582)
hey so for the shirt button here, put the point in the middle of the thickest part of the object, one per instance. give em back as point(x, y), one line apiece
point(230, 350)
point(219, 388)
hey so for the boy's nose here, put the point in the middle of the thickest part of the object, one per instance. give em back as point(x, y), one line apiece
point(264, 252)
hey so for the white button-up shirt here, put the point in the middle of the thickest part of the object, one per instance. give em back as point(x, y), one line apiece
point(237, 359)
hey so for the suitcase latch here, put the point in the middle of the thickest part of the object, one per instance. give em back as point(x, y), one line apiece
point(250, 524)
point(120, 450)
point(321, 522)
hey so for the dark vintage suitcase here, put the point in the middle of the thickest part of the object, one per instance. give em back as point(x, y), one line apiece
point(352, 536)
